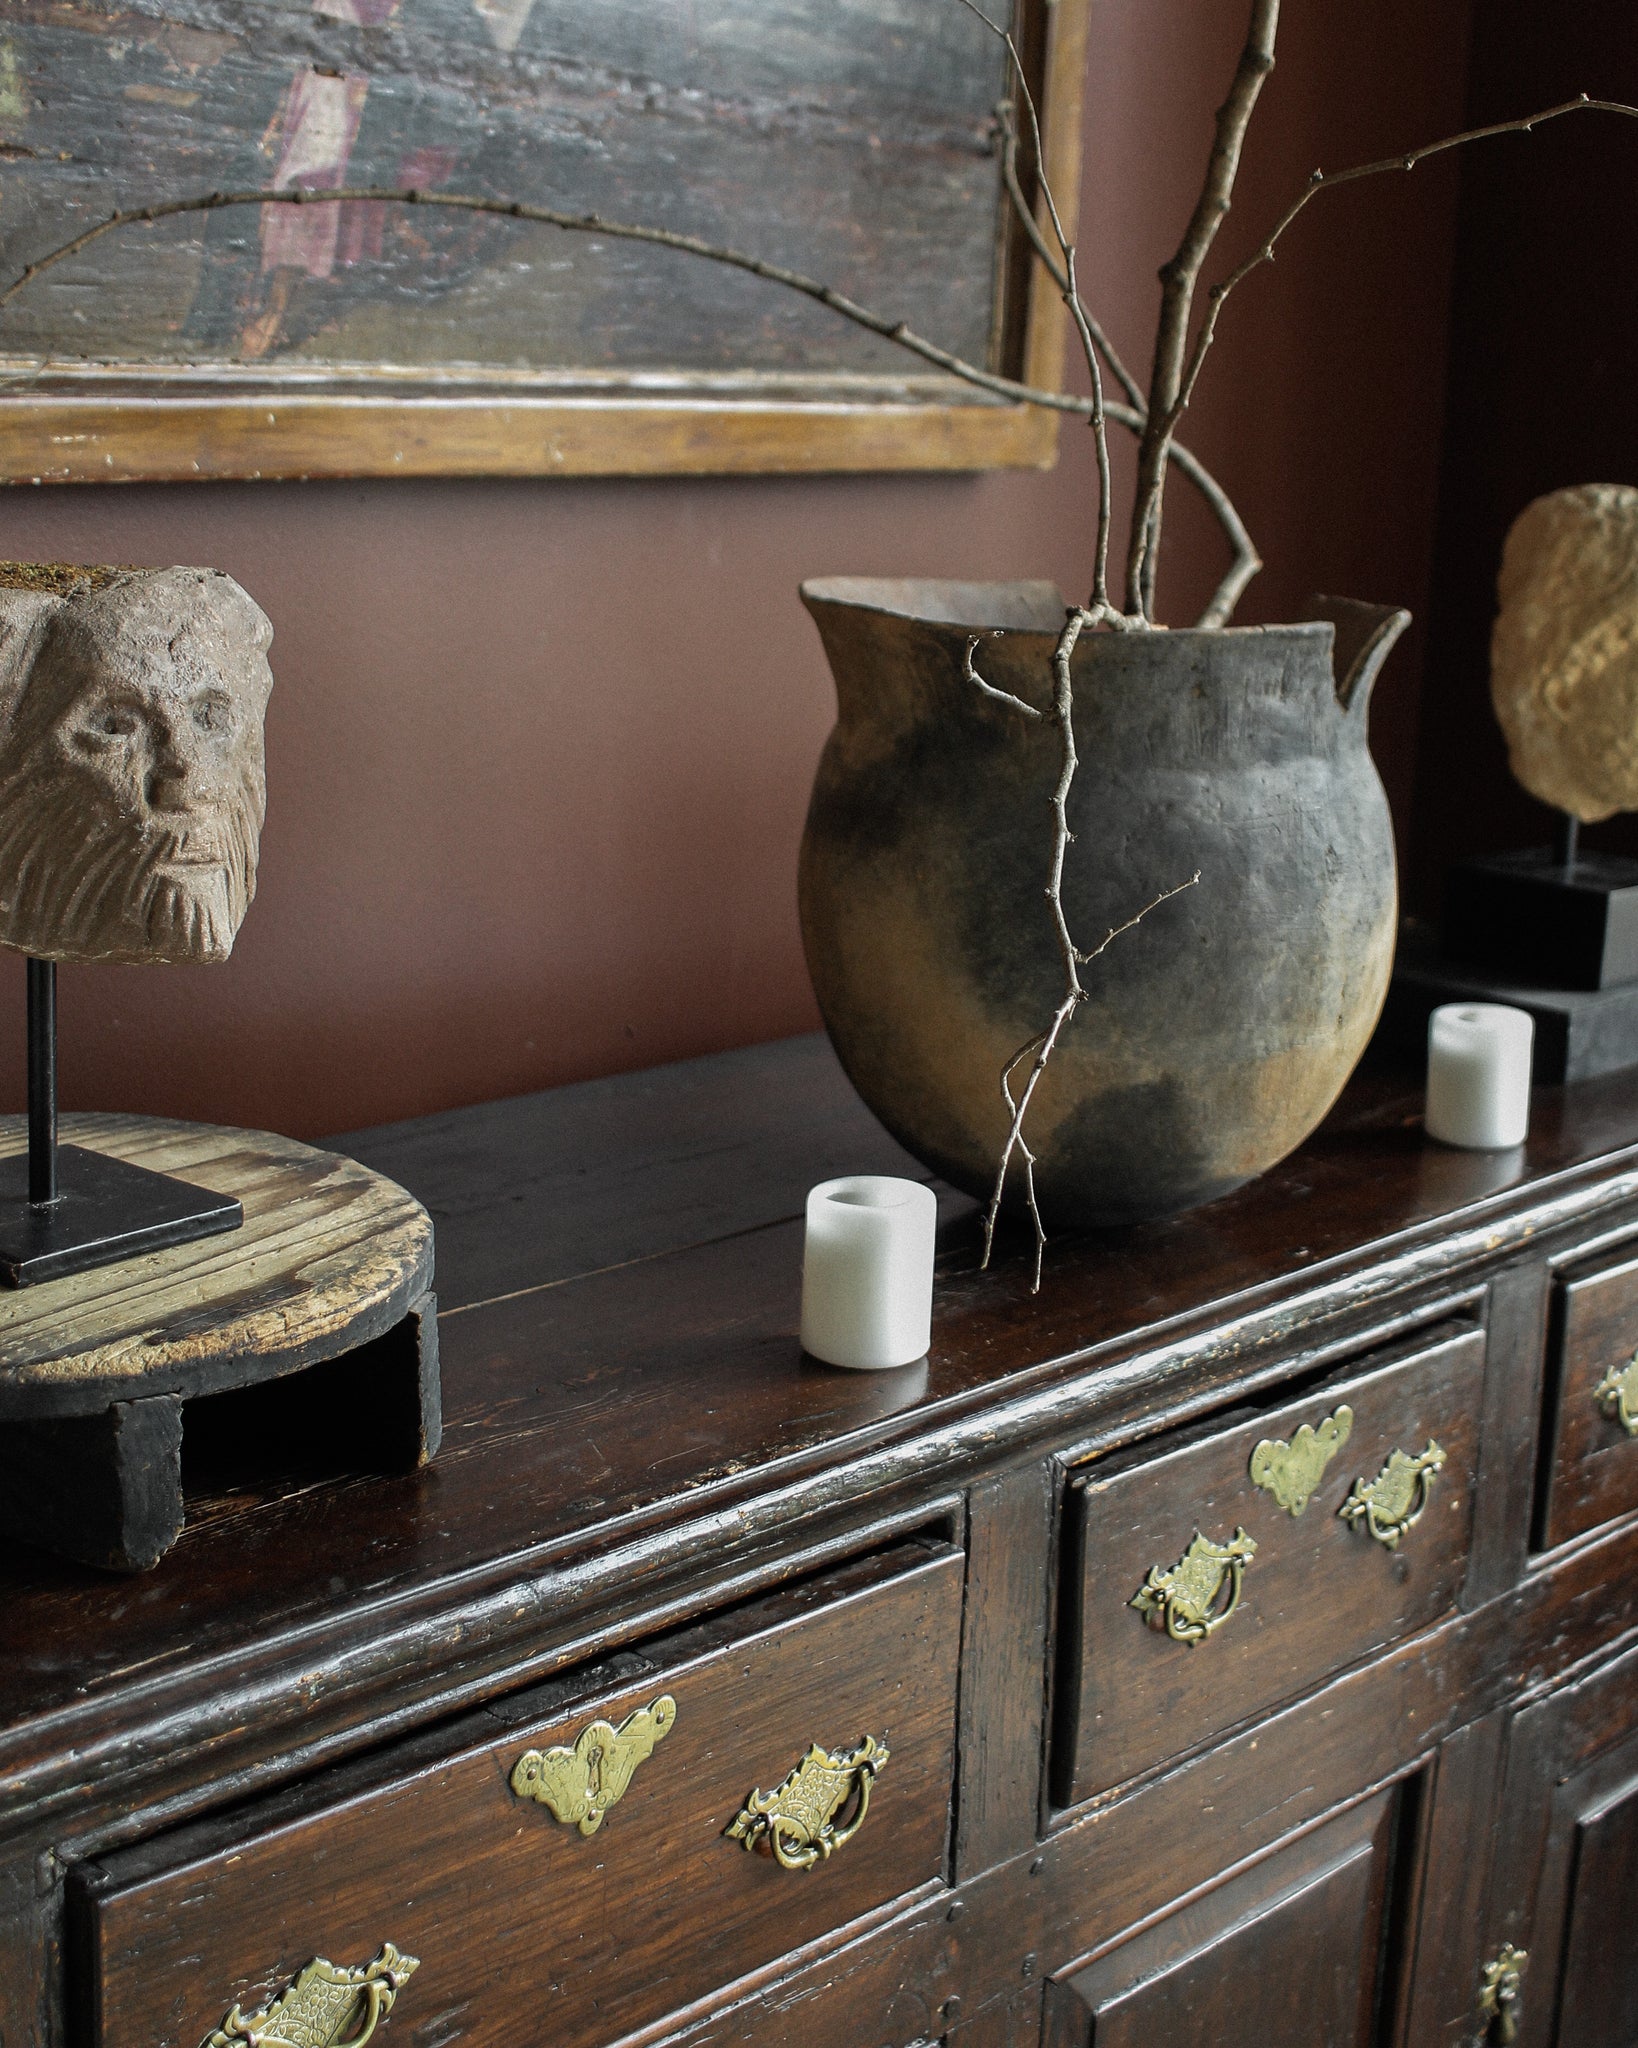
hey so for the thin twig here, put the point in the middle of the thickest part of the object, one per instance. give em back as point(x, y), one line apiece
point(1039, 1049)
point(1178, 279)
point(1324, 181)
point(1246, 562)
point(1048, 261)
point(1063, 274)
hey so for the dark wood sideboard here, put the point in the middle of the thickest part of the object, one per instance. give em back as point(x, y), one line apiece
point(1111, 1810)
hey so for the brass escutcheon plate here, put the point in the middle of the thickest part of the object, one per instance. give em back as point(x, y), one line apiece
point(1500, 1992)
point(325, 2007)
point(1193, 1598)
point(1617, 1395)
point(1291, 1471)
point(1395, 1499)
point(581, 1782)
point(804, 1820)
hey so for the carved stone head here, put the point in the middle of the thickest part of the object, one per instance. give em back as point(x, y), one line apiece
point(1564, 653)
point(132, 786)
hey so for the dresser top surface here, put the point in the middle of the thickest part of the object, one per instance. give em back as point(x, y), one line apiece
point(619, 1275)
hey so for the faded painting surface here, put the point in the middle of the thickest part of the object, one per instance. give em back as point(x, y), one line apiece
point(849, 138)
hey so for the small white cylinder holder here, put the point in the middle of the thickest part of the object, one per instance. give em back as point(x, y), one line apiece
point(1479, 1075)
point(867, 1272)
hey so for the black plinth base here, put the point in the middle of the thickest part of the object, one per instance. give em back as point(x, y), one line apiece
point(110, 1489)
point(106, 1210)
point(1530, 917)
point(1579, 1032)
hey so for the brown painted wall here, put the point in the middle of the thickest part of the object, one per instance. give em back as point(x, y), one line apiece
point(539, 753)
point(1545, 385)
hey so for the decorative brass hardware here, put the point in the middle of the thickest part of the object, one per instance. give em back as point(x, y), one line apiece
point(1291, 1471)
point(1617, 1394)
point(1394, 1500)
point(582, 1782)
point(796, 1823)
point(324, 2008)
point(1500, 1993)
point(1186, 1598)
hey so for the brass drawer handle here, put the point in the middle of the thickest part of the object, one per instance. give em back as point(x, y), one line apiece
point(1291, 1471)
point(325, 2007)
point(580, 1783)
point(1617, 1394)
point(1500, 1993)
point(1397, 1497)
point(798, 1823)
point(1187, 1599)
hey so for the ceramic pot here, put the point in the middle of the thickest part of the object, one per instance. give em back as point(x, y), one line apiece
point(1220, 1030)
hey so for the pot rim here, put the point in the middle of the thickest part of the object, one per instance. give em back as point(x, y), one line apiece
point(949, 601)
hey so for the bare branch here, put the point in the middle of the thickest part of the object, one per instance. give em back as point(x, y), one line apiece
point(1064, 275)
point(1049, 262)
point(1325, 181)
point(1001, 696)
point(1115, 931)
point(1178, 279)
point(1039, 1050)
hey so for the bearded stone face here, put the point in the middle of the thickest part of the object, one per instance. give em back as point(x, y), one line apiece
point(132, 784)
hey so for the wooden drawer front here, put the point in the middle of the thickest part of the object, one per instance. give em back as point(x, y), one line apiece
point(1593, 1472)
point(1318, 1591)
point(525, 1928)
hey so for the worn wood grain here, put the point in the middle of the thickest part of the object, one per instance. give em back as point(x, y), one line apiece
point(329, 1256)
point(636, 1448)
point(1515, 1327)
point(1005, 1634)
point(606, 1434)
point(1592, 1468)
point(1318, 1593)
point(1289, 1952)
point(520, 1921)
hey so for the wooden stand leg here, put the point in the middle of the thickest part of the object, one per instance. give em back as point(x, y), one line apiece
point(105, 1489)
point(384, 1398)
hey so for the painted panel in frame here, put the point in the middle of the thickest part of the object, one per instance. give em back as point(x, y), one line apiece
point(854, 140)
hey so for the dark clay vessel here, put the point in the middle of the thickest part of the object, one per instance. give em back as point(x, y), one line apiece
point(1221, 1029)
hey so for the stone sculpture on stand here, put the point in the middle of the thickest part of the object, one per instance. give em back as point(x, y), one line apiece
point(1553, 930)
point(132, 785)
point(132, 797)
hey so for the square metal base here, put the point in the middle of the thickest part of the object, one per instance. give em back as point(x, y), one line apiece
point(106, 1210)
point(1529, 918)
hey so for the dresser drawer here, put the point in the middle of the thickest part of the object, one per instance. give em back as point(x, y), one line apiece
point(1241, 1567)
point(1592, 1472)
point(575, 1930)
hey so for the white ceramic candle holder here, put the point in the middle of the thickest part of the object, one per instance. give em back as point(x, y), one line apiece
point(1479, 1075)
point(867, 1272)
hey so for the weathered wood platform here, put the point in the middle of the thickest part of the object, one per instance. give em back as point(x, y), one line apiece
point(308, 1335)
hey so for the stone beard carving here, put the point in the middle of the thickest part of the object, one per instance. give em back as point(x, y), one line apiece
point(1564, 653)
point(132, 783)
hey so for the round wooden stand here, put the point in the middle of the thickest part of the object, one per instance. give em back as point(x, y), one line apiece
point(326, 1286)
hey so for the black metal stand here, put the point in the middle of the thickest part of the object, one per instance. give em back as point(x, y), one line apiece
point(64, 1209)
point(1552, 917)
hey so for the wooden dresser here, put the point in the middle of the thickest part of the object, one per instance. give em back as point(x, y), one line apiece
point(1236, 1642)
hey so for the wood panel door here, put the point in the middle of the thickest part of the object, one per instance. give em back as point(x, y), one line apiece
point(1295, 1952)
point(1566, 1868)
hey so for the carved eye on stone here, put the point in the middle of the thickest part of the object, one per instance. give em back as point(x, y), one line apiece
point(213, 713)
point(112, 722)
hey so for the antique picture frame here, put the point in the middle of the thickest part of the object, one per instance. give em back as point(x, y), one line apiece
point(309, 341)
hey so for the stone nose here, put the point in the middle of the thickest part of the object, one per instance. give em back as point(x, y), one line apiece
point(166, 786)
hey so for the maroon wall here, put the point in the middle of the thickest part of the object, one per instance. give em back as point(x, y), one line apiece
point(539, 753)
point(1543, 387)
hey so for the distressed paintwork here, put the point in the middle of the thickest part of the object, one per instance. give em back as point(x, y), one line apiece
point(851, 141)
